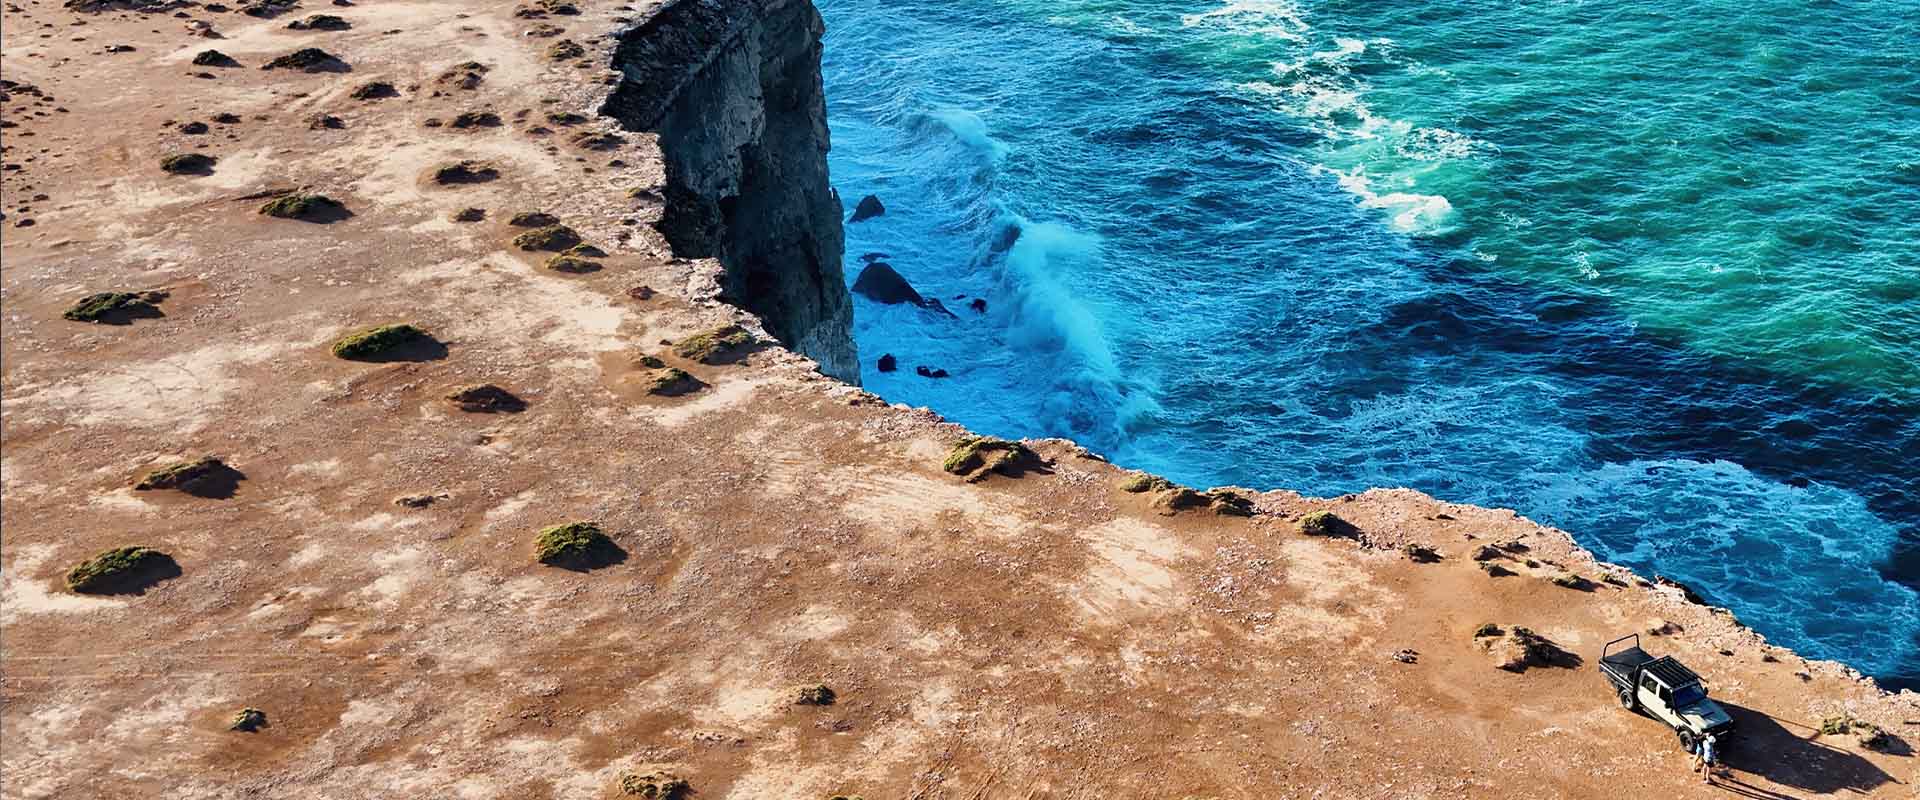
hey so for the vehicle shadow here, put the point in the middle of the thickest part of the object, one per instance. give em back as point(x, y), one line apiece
point(1789, 753)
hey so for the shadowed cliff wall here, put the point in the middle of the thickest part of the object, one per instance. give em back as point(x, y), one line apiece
point(733, 89)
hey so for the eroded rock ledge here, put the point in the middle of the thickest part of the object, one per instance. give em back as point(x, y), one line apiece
point(733, 89)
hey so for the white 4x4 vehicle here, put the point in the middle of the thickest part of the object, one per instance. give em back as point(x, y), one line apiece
point(1665, 689)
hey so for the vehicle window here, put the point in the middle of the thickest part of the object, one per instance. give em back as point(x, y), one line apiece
point(1666, 695)
point(1688, 695)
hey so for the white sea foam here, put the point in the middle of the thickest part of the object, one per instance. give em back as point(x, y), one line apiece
point(971, 130)
point(1277, 18)
point(1409, 212)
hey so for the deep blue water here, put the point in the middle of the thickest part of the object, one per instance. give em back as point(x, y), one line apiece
point(1645, 273)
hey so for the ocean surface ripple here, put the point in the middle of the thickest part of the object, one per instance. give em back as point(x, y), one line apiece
point(1643, 270)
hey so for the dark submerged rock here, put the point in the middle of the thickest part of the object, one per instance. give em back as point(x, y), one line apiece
point(880, 283)
point(868, 208)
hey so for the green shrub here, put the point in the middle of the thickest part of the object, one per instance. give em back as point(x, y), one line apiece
point(1141, 482)
point(1324, 523)
point(575, 545)
point(552, 238)
point(816, 694)
point(476, 119)
point(1420, 553)
point(374, 341)
point(112, 566)
point(1571, 581)
point(713, 346)
point(979, 456)
point(188, 163)
point(248, 720)
point(672, 382)
point(533, 219)
point(465, 172)
point(572, 265)
point(654, 786)
point(1229, 503)
point(115, 306)
point(186, 476)
point(486, 398)
point(302, 206)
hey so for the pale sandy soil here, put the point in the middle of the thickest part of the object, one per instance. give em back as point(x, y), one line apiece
point(1048, 636)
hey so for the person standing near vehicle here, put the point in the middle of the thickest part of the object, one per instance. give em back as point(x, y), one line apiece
point(1707, 756)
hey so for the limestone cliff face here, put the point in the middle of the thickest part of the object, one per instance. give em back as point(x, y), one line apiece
point(733, 89)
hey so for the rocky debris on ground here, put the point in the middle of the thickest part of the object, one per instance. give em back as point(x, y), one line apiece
point(486, 398)
point(320, 22)
point(597, 141)
point(465, 172)
point(1519, 649)
point(419, 500)
point(475, 119)
point(268, 9)
point(214, 58)
point(308, 59)
point(466, 76)
point(374, 90)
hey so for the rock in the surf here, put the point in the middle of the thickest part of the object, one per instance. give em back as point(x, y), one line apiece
point(868, 208)
point(880, 283)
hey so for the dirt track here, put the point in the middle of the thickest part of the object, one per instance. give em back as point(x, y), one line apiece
point(1045, 636)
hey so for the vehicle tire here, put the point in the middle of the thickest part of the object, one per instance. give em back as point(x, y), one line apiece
point(1626, 699)
point(1686, 740)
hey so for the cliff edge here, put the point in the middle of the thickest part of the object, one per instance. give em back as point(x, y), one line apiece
point(383, 420)
point(733, 89)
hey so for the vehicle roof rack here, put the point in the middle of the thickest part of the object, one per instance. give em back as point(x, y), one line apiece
point(1670, 672)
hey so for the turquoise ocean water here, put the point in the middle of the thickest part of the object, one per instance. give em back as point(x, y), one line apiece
point(1647, 271)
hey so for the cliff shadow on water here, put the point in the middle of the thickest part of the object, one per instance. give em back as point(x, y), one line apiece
point(733, 89)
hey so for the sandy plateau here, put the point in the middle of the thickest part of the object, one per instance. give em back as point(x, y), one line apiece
point(1041, 636)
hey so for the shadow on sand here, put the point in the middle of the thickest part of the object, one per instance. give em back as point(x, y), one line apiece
point(1790, 753)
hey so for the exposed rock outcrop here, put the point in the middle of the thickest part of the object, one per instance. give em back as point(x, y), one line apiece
point(733, 89)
